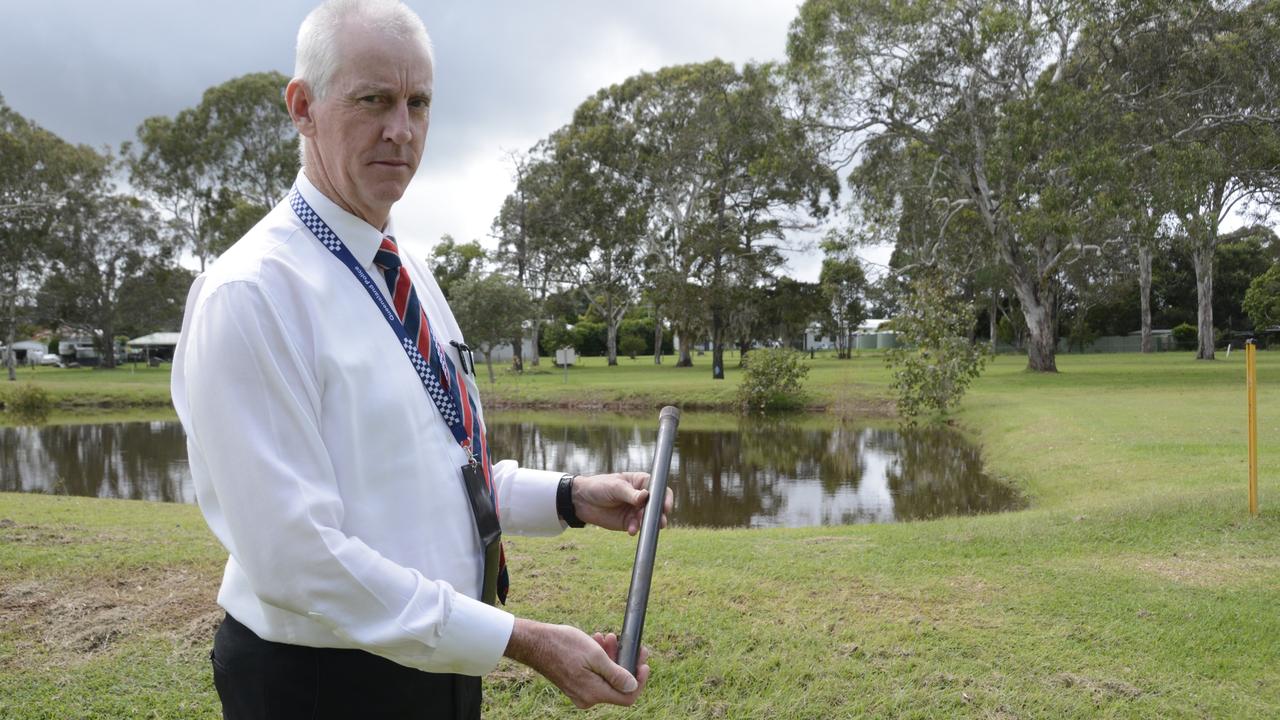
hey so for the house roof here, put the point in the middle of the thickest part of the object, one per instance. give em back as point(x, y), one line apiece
point(155, 339)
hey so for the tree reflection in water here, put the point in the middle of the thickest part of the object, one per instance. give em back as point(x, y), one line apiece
point(754, 473)
point(136, 461)
point(773, 472)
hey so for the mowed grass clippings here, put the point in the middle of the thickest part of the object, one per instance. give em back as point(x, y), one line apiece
point(1134, 585)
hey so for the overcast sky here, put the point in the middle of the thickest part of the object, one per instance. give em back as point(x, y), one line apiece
point(507, 74)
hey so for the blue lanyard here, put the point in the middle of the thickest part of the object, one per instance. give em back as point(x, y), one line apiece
point(428, 371)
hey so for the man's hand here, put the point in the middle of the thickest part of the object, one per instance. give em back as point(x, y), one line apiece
point(615, 501)
point(584, 668)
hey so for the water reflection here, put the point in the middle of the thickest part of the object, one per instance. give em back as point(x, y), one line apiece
point(135, 461)
point(748, 474)
point(776, 473)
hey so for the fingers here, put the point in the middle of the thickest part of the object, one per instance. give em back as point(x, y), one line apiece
point(614, 674)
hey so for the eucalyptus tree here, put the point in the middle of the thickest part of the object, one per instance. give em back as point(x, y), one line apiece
point(531, 238)
point(990, 111)
point(234, 154)
point(40, 178)
point(489, 309)
point(1208, 85)
point(729, 173)
point(109, 244)
point(844, 286)
point(603, 210)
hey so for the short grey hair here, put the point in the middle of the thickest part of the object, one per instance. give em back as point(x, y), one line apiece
point(316, 57)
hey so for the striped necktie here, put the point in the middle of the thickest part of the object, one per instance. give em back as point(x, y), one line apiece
point(404, 300)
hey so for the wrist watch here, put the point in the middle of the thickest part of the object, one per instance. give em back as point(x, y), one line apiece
point(564, 502)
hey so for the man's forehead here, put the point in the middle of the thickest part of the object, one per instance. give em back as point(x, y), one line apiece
point(369, 57)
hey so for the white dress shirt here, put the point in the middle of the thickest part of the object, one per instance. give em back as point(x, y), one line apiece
point(322, 465)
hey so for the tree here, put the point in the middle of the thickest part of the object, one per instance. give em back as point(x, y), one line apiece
point(489, 309)
point(110, 244)
point(454, 262)
point(976, 126)
point(709, 172)
point(530, 237)
point(233, 153)
point(1262, 300)
point(39, 176)
point(933, 363)
point(1201, 77)
point(844, 288)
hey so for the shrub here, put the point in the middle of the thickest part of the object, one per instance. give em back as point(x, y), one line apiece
point(631, 345)
point(772, 380)
point(935, 362)
point(1186, 336)
point(1262, 299)
point(28, 402)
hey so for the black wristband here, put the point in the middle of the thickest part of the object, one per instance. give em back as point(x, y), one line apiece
point(564, 502)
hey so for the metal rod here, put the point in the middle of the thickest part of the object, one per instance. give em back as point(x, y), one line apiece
point(647, 545)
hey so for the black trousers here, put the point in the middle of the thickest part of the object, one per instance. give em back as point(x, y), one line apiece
point(262, 680)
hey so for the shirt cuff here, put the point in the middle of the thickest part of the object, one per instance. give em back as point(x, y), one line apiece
point(474, 638)
point(531, 502)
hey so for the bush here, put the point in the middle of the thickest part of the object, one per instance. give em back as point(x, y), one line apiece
point(772, 380)
point(28, 402)
point(935, 362)
point(631, 345)
point(1186, 336)
point(1262, 299)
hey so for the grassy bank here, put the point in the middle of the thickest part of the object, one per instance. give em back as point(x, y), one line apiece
point(1135, 585)
point(856, 387)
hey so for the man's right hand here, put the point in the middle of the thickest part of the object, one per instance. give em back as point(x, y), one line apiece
point(584, 668)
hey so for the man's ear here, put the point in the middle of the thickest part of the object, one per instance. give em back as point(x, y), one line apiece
point(298, 99)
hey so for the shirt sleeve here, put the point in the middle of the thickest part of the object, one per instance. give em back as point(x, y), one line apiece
point(250, 404)
point(527, 499)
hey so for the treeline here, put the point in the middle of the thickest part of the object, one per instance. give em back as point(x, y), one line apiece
point(93, 240)
point(1063, 168)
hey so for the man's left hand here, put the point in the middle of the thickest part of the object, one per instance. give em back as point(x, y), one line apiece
point(615, 501)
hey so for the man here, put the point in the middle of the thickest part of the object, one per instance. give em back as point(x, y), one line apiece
point(335, 436)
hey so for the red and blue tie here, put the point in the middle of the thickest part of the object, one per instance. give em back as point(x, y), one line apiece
point(407, 307)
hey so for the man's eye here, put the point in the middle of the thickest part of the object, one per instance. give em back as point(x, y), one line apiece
point(420, 103)
point(371, 99)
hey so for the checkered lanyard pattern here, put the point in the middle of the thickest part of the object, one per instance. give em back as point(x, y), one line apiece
point(444, 382)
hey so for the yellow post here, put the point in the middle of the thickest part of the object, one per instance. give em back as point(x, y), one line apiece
point(1251, 386)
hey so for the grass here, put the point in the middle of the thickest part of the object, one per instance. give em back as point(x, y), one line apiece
point(632, 384)
point(1134, 586)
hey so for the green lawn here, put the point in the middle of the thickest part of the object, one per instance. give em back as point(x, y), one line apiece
point(1134, 585)
point(846, 387)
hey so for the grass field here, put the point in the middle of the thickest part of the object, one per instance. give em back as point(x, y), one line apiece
point(843, 387)
point(1134, 585)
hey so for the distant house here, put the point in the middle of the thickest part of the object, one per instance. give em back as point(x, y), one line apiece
point(868, 336)
point(160, 345)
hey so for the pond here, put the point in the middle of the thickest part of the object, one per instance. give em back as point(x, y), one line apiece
point(725, 472)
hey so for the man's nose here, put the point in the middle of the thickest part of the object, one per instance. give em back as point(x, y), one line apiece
point(399, 129)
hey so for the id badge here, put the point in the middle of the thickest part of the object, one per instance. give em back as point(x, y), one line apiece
point(487, 527)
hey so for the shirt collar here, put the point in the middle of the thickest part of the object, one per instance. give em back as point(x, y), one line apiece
point(361, 238)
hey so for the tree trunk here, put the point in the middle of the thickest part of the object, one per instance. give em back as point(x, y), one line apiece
point(717, 345)
point(517, 352)
point(1144, 294)
point(744, 347)
point(10, 357)
point(686, 357)
point(536, 330)
point(1038, 306)
point(1202, 259)
point(488, 361)
point(611, 341)
point(657, 336)
point(993, 327)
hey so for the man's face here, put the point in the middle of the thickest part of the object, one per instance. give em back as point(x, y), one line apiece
point(371, 126)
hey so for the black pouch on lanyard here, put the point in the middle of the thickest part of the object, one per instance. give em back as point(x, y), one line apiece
point(487, 526)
